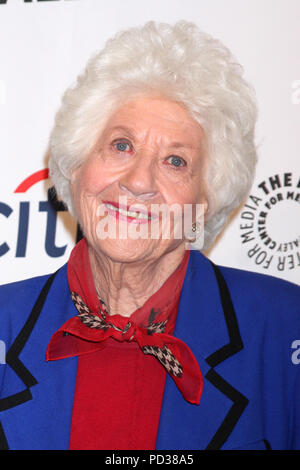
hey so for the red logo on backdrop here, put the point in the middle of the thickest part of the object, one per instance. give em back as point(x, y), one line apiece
point(51, 206)
point(31, 180)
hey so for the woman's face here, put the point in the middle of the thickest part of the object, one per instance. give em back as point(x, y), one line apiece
point(151, 152)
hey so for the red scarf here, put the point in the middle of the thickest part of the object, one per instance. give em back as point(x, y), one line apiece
point(149, 326)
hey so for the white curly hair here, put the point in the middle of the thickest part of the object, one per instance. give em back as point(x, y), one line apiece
point(180, 63)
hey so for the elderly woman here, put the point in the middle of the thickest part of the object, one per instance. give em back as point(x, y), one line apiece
point(140, 342)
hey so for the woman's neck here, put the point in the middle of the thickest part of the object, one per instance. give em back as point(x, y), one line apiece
point(126, 286)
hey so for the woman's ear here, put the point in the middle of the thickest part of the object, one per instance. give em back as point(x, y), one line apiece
point(74, 177)
point(201, 209)
point(205, 207)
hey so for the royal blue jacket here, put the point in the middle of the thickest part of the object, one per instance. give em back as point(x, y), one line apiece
point(241, 327)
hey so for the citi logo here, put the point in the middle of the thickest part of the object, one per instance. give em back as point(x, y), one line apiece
point(47, 226)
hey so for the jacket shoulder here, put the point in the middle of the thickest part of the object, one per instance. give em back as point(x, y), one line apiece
point(22, 288)
point(16, 302)
point(21, 293)
point(261, 286)
point(264, 300)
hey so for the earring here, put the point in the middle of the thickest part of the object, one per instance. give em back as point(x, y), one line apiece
point(195, 231)
point(196, 227)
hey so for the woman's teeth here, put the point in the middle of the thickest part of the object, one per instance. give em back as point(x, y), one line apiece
point(136, 215)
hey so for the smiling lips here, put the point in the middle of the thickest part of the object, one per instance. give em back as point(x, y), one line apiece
point(122, 212)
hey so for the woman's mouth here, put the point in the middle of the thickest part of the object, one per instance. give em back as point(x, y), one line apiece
point(123, 213)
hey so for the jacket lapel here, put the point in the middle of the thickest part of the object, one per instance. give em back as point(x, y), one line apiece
point(40, 388)
point(12, 356)
point(205, 307)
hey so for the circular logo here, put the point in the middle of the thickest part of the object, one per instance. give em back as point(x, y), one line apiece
point(270, 223)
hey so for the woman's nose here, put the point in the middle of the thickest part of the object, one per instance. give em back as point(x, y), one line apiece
point(139, 181)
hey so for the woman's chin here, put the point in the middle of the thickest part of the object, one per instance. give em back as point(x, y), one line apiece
point(129, 250)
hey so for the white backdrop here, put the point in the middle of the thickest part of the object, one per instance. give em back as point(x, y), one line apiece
point(45, 44)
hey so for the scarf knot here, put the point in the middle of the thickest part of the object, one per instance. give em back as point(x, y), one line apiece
point(121, 328)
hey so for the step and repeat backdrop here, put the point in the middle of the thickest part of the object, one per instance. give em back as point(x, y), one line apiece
point(44, 45)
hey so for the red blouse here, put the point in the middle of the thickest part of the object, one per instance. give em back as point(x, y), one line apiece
point(119, 389)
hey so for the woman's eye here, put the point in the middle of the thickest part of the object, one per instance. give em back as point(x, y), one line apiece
point(122, 146)
point(176, 161)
